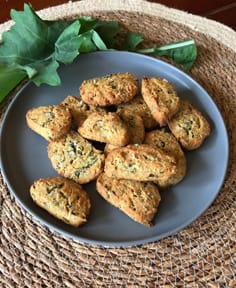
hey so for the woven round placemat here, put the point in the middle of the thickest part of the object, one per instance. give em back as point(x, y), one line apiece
point(201, 255)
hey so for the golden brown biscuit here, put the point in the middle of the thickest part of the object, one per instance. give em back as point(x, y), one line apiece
point(136, 129)
point(109, 147)
point(140, 162)
point(168, 143)
point(106, 127)
point(189, 126)
point(51, 122)
point(161, 98)
point(62, 198)
point(109, 90)
point(79, 109)
point(74, 157)
point(139, 200)
point(139, 107)
point(135, 125)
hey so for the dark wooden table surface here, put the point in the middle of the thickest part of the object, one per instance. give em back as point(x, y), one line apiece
point(223, 11)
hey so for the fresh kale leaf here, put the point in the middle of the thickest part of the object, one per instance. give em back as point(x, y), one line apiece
point(183, 52)
point(107, 30)
point(98, 41)
point(37, 47)
point(45, 72)
point(87, 23)
point(66, 46)
point(10, 77)
point(131, 41)
point(34, 47)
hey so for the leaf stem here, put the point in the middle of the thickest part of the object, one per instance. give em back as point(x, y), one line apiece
point(176, 45)
point(146, 51)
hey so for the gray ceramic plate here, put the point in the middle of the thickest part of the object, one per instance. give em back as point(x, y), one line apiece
point(24, 154)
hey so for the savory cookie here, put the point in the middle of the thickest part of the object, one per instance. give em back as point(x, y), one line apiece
point(139, 200)
point(140, 162)
point(79, 109)
point(106, 127)
point(135, 125)
point(109, 90)
point(51, 122)
point(168, 143)
point(109, 147)
point(189, 126)
point(74, 157)
point(161, 98)
point(136, 129)
point(138, 106)
point(63, 198)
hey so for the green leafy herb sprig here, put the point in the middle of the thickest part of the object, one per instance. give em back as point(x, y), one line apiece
point(35, 48)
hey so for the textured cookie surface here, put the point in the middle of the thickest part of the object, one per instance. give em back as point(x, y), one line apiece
point(161, 98)
point(168, 143)
point(79, 109)
point(74, 157)
point(135, 126)
point(63, 198)
point(105, 127)
point(109, 90)
point(51, 122)
point(140, 162)
point(109, 147)
point(189, 126)
point(139, 200)
point(139, 107)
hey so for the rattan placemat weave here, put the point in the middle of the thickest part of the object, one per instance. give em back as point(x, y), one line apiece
point(201, 255)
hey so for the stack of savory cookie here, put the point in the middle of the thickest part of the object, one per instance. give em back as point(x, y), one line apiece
point(139, 157)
